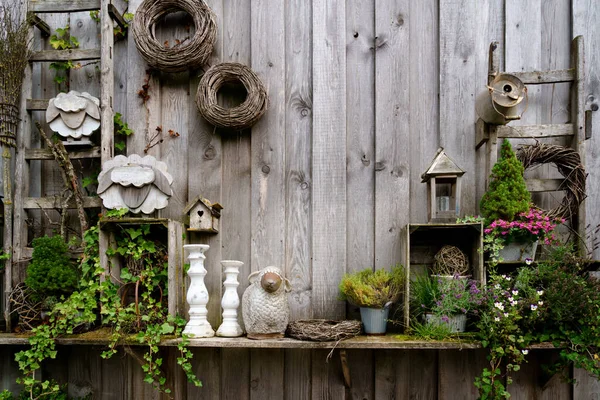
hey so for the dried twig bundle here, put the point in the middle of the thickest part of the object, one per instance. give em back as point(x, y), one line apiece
point(189, 55)
point(323, 330)
point(237, 118)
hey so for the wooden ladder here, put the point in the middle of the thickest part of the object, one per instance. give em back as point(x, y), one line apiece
point(24, 153)
point(576, 129)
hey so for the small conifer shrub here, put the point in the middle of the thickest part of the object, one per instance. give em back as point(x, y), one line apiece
point(507, 195)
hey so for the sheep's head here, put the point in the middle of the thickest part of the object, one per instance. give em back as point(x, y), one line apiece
point(271, 279)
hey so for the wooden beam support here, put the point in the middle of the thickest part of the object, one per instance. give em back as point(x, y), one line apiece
point(532, 131)
point(57, 6)
point(40, 24)
point(542, 77)
point(545, 185)
point(65, 55)
point(345, 368)
point(117, 17)
point(482, 133)
point(36, 203)
point(46, 154)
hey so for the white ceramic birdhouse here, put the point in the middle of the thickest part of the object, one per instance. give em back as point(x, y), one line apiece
point(74, 116)
point(443, 188)
point(204, 215)
point(141, 184)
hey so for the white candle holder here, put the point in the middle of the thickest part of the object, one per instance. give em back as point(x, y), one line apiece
point(197, 295)
point(231, 301)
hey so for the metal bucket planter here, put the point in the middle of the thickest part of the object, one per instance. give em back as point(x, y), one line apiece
point(374, 319)
point(518, 251)
point(457, 323)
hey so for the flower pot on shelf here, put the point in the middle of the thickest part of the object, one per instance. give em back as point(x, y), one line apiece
point(518, 251)
point(457, 323)
point(375, 319)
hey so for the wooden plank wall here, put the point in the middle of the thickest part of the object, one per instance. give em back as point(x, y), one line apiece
point(361, 96)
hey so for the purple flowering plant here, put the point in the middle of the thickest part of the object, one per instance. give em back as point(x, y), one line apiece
point(454, 295)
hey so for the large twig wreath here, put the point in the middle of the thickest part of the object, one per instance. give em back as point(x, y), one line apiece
point(241, 117)
point(179, 57)
point(568, 163)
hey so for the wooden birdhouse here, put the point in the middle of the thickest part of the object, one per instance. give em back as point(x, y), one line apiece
point(443, 188)
point(204, 215)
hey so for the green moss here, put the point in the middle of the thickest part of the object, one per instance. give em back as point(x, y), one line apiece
point(507, 195)
point(374, 289)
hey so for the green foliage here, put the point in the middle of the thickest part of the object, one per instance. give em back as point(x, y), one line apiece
point(118, 32)
point(429, 331)
point(62, 40)
point(3, 257)
point(423, 294)
point(507, 195)
point(373, 289)
point(51, 272)
point(121, 130)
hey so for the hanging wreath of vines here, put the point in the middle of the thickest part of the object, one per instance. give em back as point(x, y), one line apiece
point(241, 117)
point(568, 163)
point(180, 57)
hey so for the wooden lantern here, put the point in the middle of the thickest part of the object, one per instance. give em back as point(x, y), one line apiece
point(204, 215)
point(443, 188)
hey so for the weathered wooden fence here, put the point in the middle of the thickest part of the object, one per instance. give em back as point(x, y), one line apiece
point(362, 93)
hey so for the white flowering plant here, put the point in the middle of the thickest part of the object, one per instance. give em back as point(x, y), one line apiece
point(509, 306)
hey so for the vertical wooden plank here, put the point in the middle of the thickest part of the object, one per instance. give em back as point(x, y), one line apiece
point(9, 369)
point(298, 139)
point(266, 374)
point(457, 371)
point(235, 374)
point(458, 22)
point(526, 382)
point(84, 369)
point(586, 386)
point(204, 158)
point(107, 77)
point(121, 57)
point(327, 378)
point(328, 161)
point(392, 136)
point(406, 374)
point(585, 14)
point(113, 383)
point(138, 389)
point(177, 293)
point(298, 376)
point(268, 136)
point(362, 374)
point(207, 366)
point(423, 100)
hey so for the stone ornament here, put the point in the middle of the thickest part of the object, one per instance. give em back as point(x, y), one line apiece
point(197, 295)
point(73, 115)
point(139, 184)
point(230, 301)
point(265, 308)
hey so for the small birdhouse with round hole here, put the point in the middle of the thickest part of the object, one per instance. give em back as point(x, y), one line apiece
point(203, 215)
point(443, 188)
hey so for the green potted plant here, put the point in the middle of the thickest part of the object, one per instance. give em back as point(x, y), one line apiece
point(444, 302)
point(373, 292)
point(51, 273)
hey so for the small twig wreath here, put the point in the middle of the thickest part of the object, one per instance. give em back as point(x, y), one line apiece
point(189, 55)
point(450, 261)
point(241, 117)
point(323, 330)
point(568, 163)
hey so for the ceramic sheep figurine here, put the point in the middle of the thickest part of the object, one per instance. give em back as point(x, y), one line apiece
point(265, 307)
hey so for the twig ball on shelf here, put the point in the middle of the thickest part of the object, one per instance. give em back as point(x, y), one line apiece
point(450, 261)
point(237, 118)
point(189, 55)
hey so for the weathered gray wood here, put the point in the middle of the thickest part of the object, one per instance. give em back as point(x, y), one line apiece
point(56, 202)
point(328, 200)
point(46, 154)
point(235, 374)
point(37, 104)
point(533, 131)
point(84, 368)
point(298, 140)
point(544, 76)
point(266, 374)
point(585, 13)
point(327, 380)
point(66, 55)
point(360, 170)
point(528, 381)
point(177, 292)
point(206, 367)
point(423, 102)
point(456, 373)
point(51, 6)
point(298, 374)
point(405, 375)
point(361, 364)
point(40, 24)
point(587, 386)
point(116, 16)
point(9, 369)
point(544, 185)
point(457, 90)
point(392, 130)
point(107, 79)
point(112, 384)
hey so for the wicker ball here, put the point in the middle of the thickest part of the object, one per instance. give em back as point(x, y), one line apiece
point(189, 55)
point(237, 118)
point(450, 260)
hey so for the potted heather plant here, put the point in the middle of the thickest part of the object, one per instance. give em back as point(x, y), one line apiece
point(374, 292)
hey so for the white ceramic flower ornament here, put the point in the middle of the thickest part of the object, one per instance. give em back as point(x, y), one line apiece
point(74, 114)
point(139, 184)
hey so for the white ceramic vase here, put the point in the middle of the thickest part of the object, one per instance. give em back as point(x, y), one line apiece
point(197, 295)
point(231, 300)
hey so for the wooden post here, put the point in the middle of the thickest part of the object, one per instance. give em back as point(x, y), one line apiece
point(7, 240)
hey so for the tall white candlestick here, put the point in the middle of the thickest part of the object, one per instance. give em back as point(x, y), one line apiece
point(231, 301)
point(197, 295)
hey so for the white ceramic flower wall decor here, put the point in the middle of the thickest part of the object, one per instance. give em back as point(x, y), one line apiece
point(74, 114)
point(139, 184)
